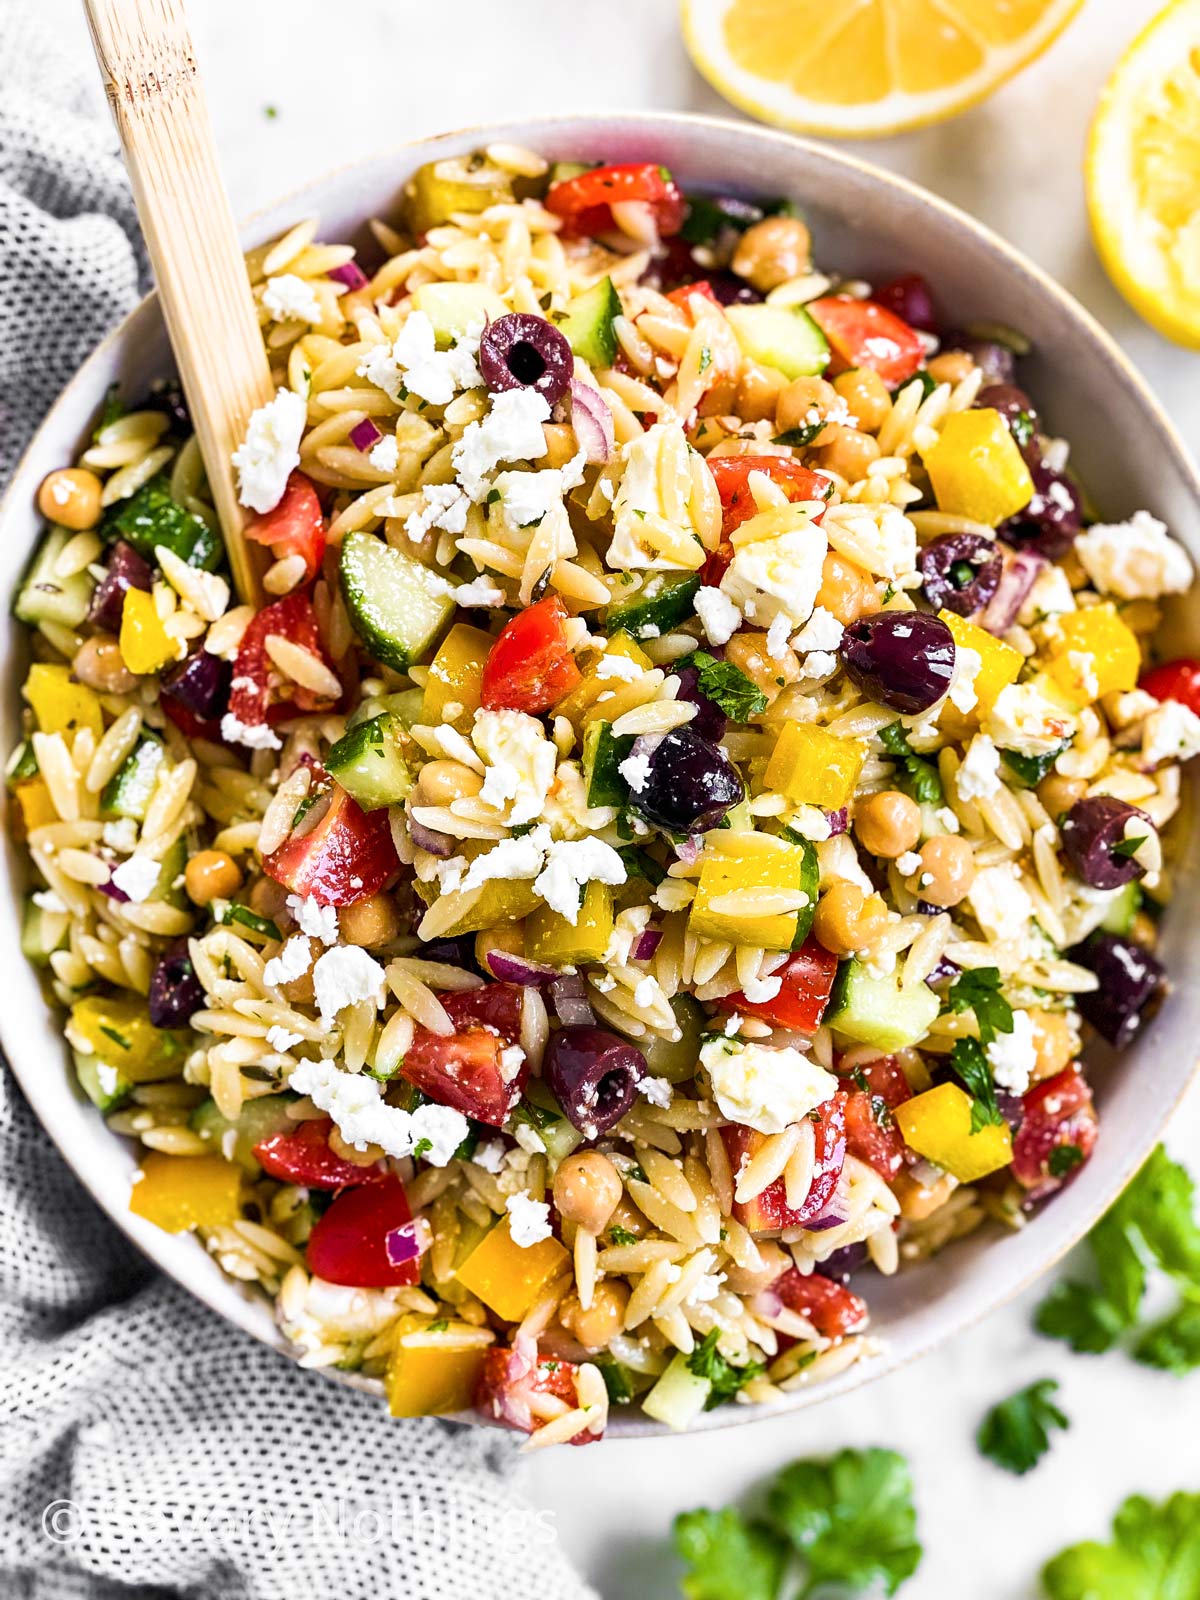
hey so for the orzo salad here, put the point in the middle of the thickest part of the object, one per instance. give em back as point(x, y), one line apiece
point(693, 789)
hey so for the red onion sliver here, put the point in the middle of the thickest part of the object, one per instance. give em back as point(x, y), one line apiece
point(647, 944)
point(402, 1244)
point(351, 274)
point(830, 1219)
point(569, 995)
point(592, 421)
point(437, 844)
point(838, 821)
point(364, 434)
point(688, 850)
point(1019, 576)
point(515, 969)
point(113, 893)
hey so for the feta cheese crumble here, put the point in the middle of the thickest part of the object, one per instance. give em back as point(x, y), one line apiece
point(520, 763)
point(999, 903)
point(1013, 1056)
point(385, 456)
point(635, 769)
point(343, 976)
point(292, 962)
point(979, 776)
point(776, 566)
point(571, 864)
point(290, 299)
point(414, 363)
point(321, 922)
point(511, 431)
point(1171, 732)
point(718, 615)
point(528, 1220)
point(764, 1087)
point(1134, 560)
point(445, 506)
point(1023, 719)
point(270, 451)
point(253, 736)
point(279, 1038)
point(356, 1104)
point(136, 878)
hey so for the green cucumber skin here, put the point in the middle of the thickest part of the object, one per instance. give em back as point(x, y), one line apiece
point(151, 518)
point(649, 615)
point(35, 946)
point(127, 793)
point(602, 755)
point(588, 325)
point(810, 883)
point(785, 338)
point(393, 606)
point(259, 1119)
point(87, 1070)
point(42, 597)
point(368, 764)
point(876, 1011)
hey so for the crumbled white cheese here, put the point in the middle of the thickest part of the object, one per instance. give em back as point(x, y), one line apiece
point(1134, 560)
point(279, 1038)
point(947, 819)
point(776, 566)
point(571, 864)
point(1050, 596)
point(121, 835)
point(520, 763)
point(762, 1086)
point(292, 962)
point(415, 363)
point(657, 1090)
point(527, 497)
point(436, 1132)
point(979, 776)
point(718, 615)
point(635, 769)
point(617, 666)
point(999, 902)
point(1023, 719)
point(271, 451)
point(1013, 1056)
point(385, 456)
point(489, 1155)
point(777, 637)
point(653, 526)
point(759, 990)
point(511, 860)
point(289, 298)
point(356, 1104)
point(961, 693)
point(1171, 732)
point(528, 1220)
point(810, 822)
point(445, 506)
point(479, 592)
point(253, 735)
point(321, 922)
point(137, 877)
point(529, 1139)
point(48, 900)
point(908, 863)
point(822, 632)
point(511, 431)
point(343, 976)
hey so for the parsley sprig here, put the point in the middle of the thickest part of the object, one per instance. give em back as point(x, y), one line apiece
point(978, 990)
point(1015, 1434)
point(727, 686)
point(920, 775)
point(1154, 1554)
point(706, 1361)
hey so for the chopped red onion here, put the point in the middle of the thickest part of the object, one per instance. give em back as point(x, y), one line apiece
point(364, 434)
point(688, 850)
point(592, 422)
point(402, 1244)
point(515, 969)
point(351, 274)
point(647, 944)
point(113, 893)
point(830, 1219)
point(569, 995)
point(838, 820)
point(1019, 576)
point(437, 844)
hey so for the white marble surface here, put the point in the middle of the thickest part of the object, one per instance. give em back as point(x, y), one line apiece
point(1016, 163)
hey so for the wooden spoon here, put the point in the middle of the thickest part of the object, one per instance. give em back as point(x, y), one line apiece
point(148, 63)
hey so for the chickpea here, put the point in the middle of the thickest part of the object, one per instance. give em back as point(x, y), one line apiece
point(745, 1280)
point(803, 402)
point(443, 781)
point(267, 898)
point(586, 1189)
point(370, 922)
point(603, 1319)
point(849, 453)
point(918, 1201)
point(509, 941)
point(211, 875)
point(846, 590)
point(952, 366)
point(71, 497)
point(758, 392)
point(560, 444)
point(888, 824)
point(748, 650)
point(1055, 1041)
point(866, 397)
point(947, 869)
point(772, 252)
point(848, 920)
point(98, 663)
point(1059, 794)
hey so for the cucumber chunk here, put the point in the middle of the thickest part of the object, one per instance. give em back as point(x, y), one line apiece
point(42, 932)
point(676, 1059)
point(786, 339)
point(258, 1120)
point(877, 1011)
point(678, 1397)
point(45, 597)
point(151, 518)
point(104, 1086)
point(454, 307)
point(602, 755)
point(369, 764)
point(1126, 904)
point(667, 600)
point(397, 607)
point(589, 324)
point(127, 793)
point(22, 764)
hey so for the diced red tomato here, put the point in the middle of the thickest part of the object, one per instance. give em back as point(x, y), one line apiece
point(585, 202)
point(530, 667)
point(871, 1135)
point(769, 1212)
point(910, 298)
point(684, 293)
point(346, 857)
point(731, 475)
point(807, 978)
point(834, 1311)
point(189, 724)
point(258, 695)
point(512, 1375)
point(864, 334)
point(466, 1069)
point(1175, 680)
point(295, 527)
point(1058, 1114)
point(301, 1154)
point(351, 1242)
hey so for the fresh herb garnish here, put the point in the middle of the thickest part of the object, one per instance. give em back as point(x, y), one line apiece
point(620, 1235)
point(438, 1325)
point(638, 864)
point(617, 1379)
point(1127, 848)
point(1016, 1433)
point(422, 1148)
point(1030, 770)
point(1154, 1555)
point(801, 436)
point(729, 1557)
point(1064, 1158)
point(921, 776)
point(1021, 427)
point(971, 1065)
point(726, 685)
point(539, 1117)
point(978, 990)
point(112, 410)
point(725, 1379)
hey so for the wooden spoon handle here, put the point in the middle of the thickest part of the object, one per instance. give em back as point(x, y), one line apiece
point(153, 83)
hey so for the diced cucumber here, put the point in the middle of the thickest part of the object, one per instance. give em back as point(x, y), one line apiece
point(667, 599)
point(169, 887)
point(151, 518)
point(369, 764)
point(45, 597)
point(22, 764)
point(407, 704)
point(1125, 905)
point(257, 1120)
point(560, 171)
point(675, 1059)
point(42, 932)
point(810, 884)
point(602, 755)
point(229, 913)
point(454, 307)
point(678, 1397)
point(541, 1111)
point(104, 1086)
point(589, 324)
point(397, 607)
point(127, 793)
point(877, 1011)
point(784, 338)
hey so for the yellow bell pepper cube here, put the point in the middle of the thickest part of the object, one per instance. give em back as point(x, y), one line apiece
point(501, 901)
point(1000, 663)
point(144, 643)
point(181, 1192)
point(426, 1376)
point(755, 866)
point(815, 768)
point(59, 703)
point(452, 689)
point(508, 1277)
point(120, 1032)
point(1093, 653)
point(37, 808)
point(937, 1125)
point(582, 704)
point(977, 469)
point(550, 938)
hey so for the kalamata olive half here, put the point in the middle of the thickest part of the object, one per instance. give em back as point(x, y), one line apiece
point(1132, 981)
point(201, 683)
point(1017, 409)
point(910, 298)
point(175, 992)
point(1053, 517)
point(521, 351)
point(594, 1076)
point(903, 659)
point(125, 570)
point(997, 360)
point(690, 785)
point(709, 721)
point(1093, 833)
point(960, 572)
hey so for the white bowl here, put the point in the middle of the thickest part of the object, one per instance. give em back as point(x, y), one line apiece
point(864, 221)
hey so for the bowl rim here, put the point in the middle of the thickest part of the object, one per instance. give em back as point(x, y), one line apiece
point(244, 1311)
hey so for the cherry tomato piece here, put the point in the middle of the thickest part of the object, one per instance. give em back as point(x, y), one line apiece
point(807, 979)
point(871, 1134)
point(530, 667)
point(295, 527)
point(1058, 1115)
point(585, 202)
point(479, 1069)
point(257, 695)
point(348, 856)
point(731, 475)
point(301, 1154)
point(864, 334)
point(769, 1213)
point(512, 1375)
point(834, 1311)
point(684, 293)
point(351, 1243)
point(1175, 680)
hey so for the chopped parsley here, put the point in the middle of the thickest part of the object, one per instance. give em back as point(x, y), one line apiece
point(640, 865)
point(1030, 770)
point(921, 776)
point(726, 685)
point(1015, 1434)
point(438, 1325)
point(971, 1064)
point(978, 990)
point(1064, 1158)
point(724, 1377)
point(620, 1235)
point(1127, 848)
point(801, 436)
point(1154, 1555)
point(617, 1379)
